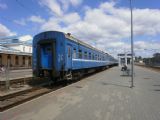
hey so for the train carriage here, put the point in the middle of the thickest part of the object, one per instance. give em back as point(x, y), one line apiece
point(61, 56)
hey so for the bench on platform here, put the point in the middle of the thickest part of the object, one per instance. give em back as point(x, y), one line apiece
point(126, 72)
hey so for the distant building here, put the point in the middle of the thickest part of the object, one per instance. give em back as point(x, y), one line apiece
point(124, 59)
point(15, 54)
point(22, 47)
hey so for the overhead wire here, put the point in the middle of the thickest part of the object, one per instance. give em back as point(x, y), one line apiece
point(23, 6)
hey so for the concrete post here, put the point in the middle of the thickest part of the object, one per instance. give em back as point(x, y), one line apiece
point(7, 75)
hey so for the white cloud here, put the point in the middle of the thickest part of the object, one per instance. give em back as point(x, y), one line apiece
point(146, 48)
point(64, 4)
point(54, 23)
point(21, 22)
point(53, 5)
point(107, 26)
point(144, 45)
point(59, 7)
point(33, 18)
point(76, 2)
point(51, 24)
point(36, 19)
point(3, 6)
point(25, 38)
point(147, 21)
point(4, 31)
point(71, 18)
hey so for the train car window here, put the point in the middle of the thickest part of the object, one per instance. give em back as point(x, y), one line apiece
point(90, 56)
point(69, 51)
point(80, 54)
point(85, 55)
point(74, 53)
point(96, 57)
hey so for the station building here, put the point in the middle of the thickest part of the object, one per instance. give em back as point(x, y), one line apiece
point(16, 55)
point(124, 59)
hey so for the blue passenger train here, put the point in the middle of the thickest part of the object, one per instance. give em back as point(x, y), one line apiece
point(61, 56)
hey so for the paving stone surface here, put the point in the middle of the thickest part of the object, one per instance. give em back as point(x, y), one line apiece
point(102, 96)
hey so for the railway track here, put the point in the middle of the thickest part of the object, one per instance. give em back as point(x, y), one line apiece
point(14, 99)
point(11, 100)
point(157, 69)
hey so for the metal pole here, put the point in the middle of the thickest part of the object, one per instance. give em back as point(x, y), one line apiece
point(132, 47)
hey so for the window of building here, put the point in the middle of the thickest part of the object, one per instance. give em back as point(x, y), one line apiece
point(85, 55)
point(69, 51)
point(8, 57)
point(80, 54)
point(74, 53)
point(29, 61)
point(17, 60)
point(9, 60)
point(90, 56)
point(96, 57)
point(23, 60)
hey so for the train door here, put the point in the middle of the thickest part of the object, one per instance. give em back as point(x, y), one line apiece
point(46, 56)
point(69, 56)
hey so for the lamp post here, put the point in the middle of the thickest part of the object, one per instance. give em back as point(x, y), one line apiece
point(132, 47)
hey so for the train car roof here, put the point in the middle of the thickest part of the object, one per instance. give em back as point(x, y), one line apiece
point(82, 43)
point(70, 37)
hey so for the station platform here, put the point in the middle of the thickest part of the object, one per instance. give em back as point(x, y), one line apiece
point(16, 74)
point(103, 96)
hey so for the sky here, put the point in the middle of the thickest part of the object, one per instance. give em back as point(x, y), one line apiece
point(104, 24)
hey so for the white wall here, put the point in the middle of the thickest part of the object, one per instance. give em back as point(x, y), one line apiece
point(23, 48)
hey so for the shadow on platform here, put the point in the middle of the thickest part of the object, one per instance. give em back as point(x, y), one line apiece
point(125, 75)
point(157, 85)
point(104, 83)
point(157, 90)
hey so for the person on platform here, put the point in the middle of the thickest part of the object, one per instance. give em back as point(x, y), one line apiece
point(124, 68)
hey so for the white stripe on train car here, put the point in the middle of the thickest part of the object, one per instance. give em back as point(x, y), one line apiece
point(89, 60)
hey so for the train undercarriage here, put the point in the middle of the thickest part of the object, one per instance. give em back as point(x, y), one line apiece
point(70, 74)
